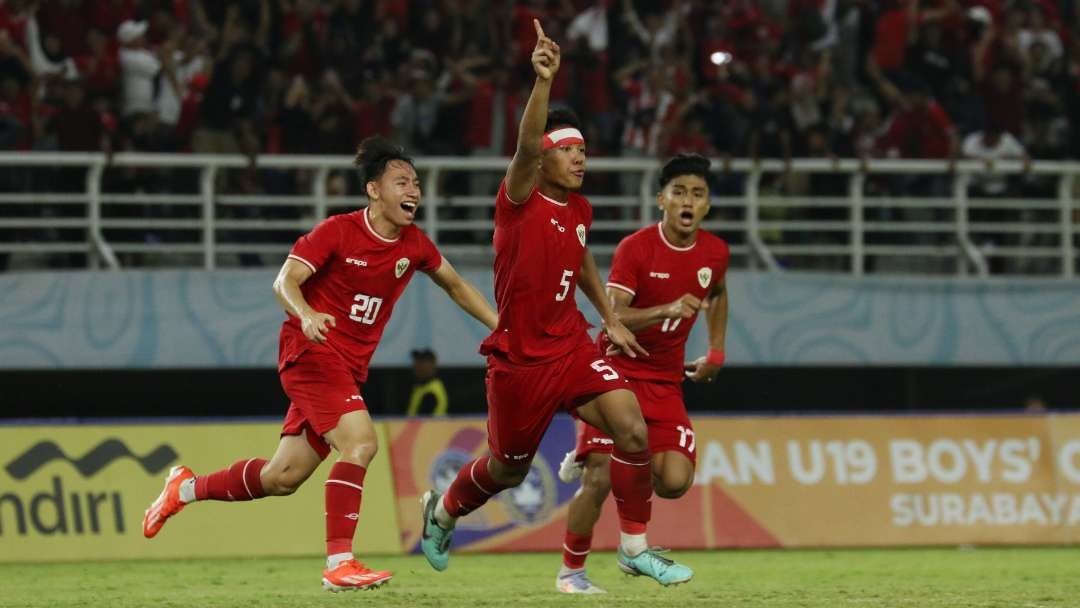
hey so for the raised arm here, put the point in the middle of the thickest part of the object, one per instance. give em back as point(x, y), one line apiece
point(464, 294)
point(704, 369)
point(593, 289)
point(287, 289)
point(521, 175)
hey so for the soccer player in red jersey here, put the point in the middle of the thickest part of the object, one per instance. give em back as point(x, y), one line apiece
point(338, 286)
point(540, 357)
point(661, 277)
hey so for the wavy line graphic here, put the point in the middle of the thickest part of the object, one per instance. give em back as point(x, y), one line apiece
point(93, 461)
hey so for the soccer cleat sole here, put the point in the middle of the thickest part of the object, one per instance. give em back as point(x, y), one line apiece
point(332, 588)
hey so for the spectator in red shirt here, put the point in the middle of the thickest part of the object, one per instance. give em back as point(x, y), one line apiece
point(920, 127)
point(99, 66)
point(689, 136)
point(891, 35)
point(1003, 99)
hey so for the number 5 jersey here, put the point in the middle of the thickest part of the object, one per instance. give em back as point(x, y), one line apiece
point(539, 248)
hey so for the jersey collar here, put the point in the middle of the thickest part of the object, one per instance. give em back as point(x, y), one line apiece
point(551, 200)
point(660, 229)
point(371, 229)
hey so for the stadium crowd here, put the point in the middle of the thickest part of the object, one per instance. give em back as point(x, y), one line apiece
point(765, 78)
point(937, 79)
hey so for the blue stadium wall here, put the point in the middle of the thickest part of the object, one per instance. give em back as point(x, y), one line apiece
point(204, 343)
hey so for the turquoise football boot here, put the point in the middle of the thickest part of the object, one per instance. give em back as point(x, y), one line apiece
point(434, 540)
point(655, 566)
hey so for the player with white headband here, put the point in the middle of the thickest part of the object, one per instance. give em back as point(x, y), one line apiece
point(541, 358)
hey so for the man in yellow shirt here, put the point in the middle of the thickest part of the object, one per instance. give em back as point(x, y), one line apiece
point(428, 392)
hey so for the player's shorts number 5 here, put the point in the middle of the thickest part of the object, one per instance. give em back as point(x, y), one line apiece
point(601, 366)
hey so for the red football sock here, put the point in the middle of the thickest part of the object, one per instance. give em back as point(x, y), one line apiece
point(241, 481)
point(472, 487)
point(344, 488)
point(576, 550)
point(631, 483)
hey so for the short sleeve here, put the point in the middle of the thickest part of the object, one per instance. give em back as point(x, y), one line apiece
point(723, 258)
point(506, 209)
point(319, 245)
point(430, 258)
point(624, 267)
point(586, 212)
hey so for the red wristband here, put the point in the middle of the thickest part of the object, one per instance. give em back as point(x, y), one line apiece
point(715, 357)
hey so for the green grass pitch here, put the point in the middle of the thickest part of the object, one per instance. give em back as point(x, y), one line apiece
point(953, 578)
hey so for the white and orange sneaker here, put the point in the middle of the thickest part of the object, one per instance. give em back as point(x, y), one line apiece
point(351, 575)
point(168, 503)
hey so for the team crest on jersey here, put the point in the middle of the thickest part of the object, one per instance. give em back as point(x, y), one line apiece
point(581, 234)
point(401, 266)
point(704, 275)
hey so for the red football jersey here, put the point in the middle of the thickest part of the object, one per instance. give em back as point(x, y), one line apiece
point(656, 272)
point(539, 248)
point(359, 275)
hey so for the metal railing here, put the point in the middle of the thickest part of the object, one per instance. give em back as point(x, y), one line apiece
point(135, 209)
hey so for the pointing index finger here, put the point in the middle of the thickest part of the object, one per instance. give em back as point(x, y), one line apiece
point(539, 30)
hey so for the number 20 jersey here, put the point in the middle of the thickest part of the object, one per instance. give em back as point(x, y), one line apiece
point(359, 275)
point(539, 248)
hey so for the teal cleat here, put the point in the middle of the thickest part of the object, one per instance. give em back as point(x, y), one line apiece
point(655, 566)
point(434, 540)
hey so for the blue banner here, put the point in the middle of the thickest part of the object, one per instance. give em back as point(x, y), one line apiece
point(230, 318)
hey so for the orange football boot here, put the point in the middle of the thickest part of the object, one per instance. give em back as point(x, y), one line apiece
point(351, 575)
point(168, 503)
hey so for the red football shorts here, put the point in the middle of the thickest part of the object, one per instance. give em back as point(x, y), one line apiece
point(522, 399)
point(665, 414)
point(321, 390)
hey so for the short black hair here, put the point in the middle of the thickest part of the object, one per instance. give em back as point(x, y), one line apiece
point(374, 153)
point(685, 164)
point(561, 117)
point(423, 354)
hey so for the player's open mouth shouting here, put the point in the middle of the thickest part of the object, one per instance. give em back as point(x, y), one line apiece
point(686, 217)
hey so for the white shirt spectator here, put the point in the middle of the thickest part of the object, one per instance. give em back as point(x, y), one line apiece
point(591, 25)
point(140, 68)
point(169, 100)
point(978, 146)
point(1027, 37)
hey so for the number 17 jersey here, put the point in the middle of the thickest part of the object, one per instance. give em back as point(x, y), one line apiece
point(539, 249)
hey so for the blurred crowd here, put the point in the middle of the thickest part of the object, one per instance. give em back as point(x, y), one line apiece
point(934, 79)
point(764, 78)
